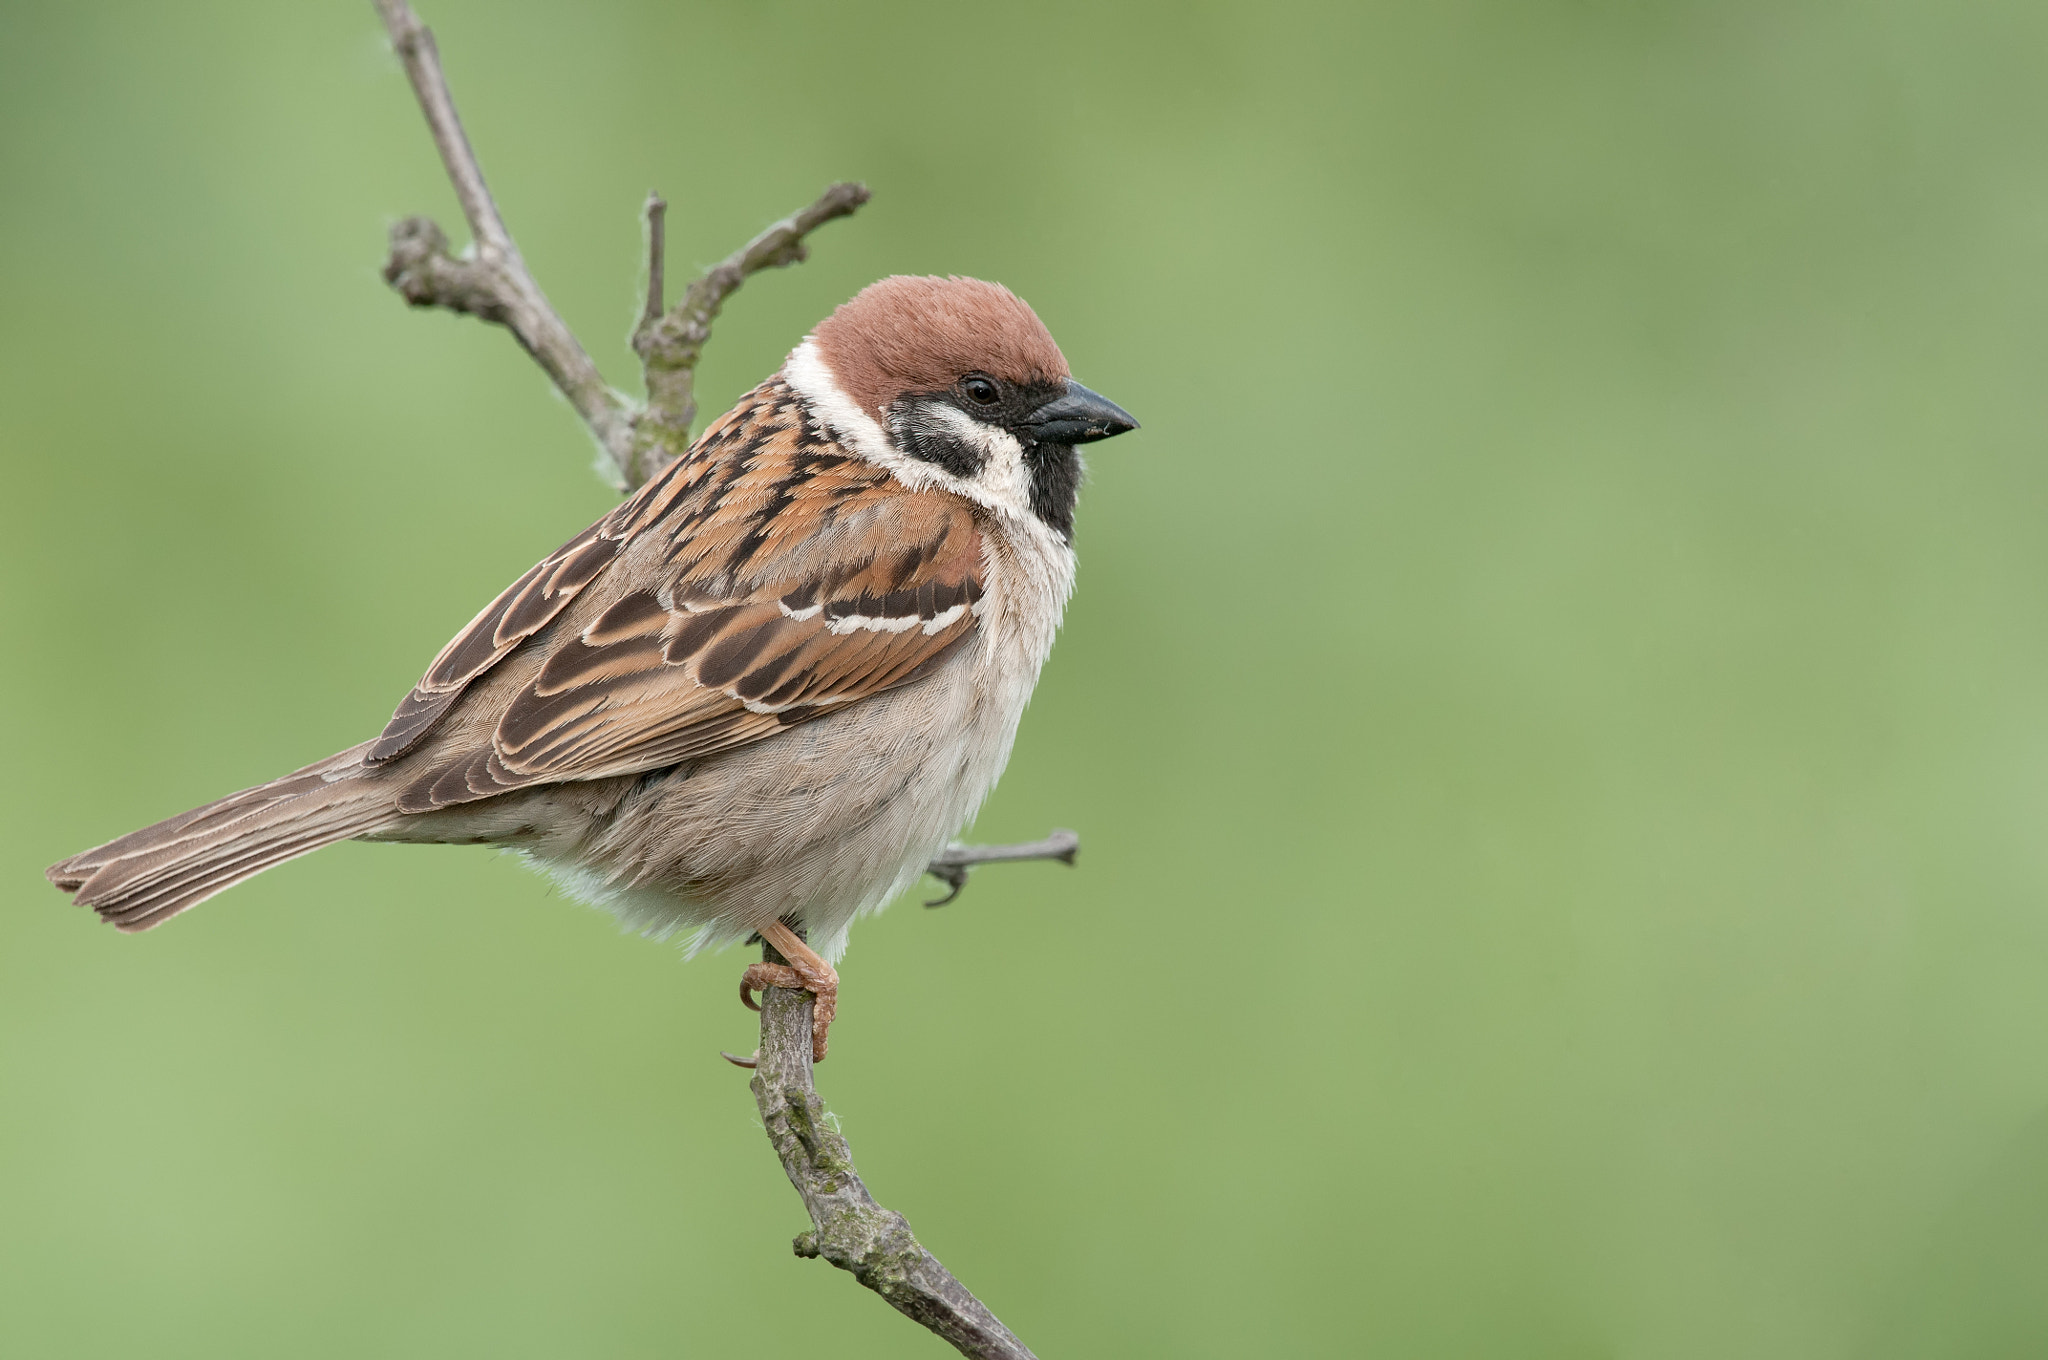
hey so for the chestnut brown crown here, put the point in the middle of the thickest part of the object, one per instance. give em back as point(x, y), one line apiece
point(918, 333)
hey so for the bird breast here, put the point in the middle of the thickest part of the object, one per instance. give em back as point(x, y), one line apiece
point(823, 823)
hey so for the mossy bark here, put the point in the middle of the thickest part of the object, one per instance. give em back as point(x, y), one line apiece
point(848, 1228)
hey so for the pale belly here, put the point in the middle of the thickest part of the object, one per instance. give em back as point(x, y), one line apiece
point(820, 825)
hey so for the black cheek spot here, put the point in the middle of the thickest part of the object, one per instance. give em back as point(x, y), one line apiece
point(930, 439)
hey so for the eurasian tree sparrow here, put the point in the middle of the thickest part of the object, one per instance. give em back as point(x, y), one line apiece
point(760, 694)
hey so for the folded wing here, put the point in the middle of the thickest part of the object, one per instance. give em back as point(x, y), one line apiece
point(774, 579)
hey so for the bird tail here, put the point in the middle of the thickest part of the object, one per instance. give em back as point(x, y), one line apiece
point(148, 876)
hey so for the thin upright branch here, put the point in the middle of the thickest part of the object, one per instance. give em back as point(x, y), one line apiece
point(656, 216)
point(491, 281)
point(848, 1228)
point(414, 43)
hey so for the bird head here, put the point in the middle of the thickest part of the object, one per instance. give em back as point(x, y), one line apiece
point(956, 382)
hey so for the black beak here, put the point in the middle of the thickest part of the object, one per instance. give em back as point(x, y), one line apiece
point(1078, 417)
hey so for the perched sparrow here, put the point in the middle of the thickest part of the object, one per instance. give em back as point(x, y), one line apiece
point(760, 694)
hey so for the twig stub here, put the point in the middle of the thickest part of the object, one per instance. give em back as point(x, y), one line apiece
point(425, 274)
point(957, 861)
point(656, 216)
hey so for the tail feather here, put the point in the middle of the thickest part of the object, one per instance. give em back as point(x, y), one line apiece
point(146, 877)
point(212, 816)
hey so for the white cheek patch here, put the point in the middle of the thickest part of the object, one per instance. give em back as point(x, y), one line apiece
point(1003, 476)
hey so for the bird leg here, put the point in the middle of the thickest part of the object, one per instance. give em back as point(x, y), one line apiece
point(805, 972)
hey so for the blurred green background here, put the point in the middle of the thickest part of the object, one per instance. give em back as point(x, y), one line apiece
point(1557, 704)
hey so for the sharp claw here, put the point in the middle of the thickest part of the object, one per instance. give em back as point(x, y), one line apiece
point(954, 877)
point(760, 977)
point(738, 1061)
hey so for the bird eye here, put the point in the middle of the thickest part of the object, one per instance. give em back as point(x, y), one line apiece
point(981, 391)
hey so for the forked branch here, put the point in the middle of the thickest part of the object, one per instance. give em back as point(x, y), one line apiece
point(491, 281)
point(670, 344)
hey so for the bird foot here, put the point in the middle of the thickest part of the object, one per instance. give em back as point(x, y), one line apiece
point(805, 972)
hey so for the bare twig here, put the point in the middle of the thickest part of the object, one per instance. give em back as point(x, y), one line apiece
point(670, 345)
point(656, 214)
point(953, 866)
point(492, 282)
point(848, 1228)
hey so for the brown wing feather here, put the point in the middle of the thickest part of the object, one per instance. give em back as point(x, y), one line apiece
point(525, 607)
point(778, 580)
